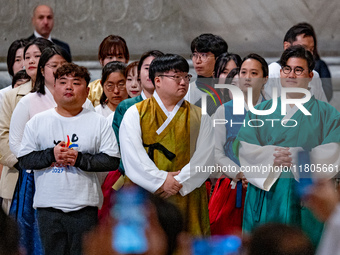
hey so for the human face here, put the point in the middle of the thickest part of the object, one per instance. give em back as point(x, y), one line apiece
point(31, 61)
point(115, 89)
point(168, 87)
point(20, 82)
point(51, 66)
point(133, 83)
point(229, 66)
point(70, 92)
point(251, 76)
point(306, 41)
point(118, 56)
point(43, 20)
point(204, 63)
point(19, 60)
point(291, 80)
point(146, 83)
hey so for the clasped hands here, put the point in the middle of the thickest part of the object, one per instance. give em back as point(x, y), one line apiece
point(170, 186)
point(282, 157)
point(64, 155)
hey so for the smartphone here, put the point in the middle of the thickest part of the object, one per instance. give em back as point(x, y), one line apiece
point(217, 245)
point(129, 212)
point(305, 177)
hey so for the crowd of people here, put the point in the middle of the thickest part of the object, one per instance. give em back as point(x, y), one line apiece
point(151, 160)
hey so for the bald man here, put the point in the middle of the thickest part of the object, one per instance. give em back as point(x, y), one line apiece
point(43, 22)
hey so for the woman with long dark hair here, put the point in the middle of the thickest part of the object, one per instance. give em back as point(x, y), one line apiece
point(41, 99)
point(227, 201)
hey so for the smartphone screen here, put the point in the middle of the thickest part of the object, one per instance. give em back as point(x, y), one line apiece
point(129, 212)
point(227, 245)
point(305, 181)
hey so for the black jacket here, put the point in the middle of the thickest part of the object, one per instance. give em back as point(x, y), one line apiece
point(62, 44)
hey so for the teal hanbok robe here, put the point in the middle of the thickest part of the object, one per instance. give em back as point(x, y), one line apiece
point(271, 197)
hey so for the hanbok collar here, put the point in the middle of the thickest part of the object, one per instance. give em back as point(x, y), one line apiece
point(170, 115)
point(290, 111)
point(143, 95)
point(259, 101)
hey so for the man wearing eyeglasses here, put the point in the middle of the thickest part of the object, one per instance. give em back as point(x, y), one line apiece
point(205, 49)
point(271, 195)
point(163, 140)
point(299, 34)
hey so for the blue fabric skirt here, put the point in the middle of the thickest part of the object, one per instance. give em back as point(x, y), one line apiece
point(22, 210)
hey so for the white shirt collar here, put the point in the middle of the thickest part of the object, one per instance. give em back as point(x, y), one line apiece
point(37, 35)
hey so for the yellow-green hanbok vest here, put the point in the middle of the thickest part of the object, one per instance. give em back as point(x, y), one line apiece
point(179, 140)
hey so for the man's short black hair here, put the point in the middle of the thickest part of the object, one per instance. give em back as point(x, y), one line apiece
point(298, 51)
point(299, 29)
point(209, 43)
point(166, 63)
point(151, 53)
point(74, 70)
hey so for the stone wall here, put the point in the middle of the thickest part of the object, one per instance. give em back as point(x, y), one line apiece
point(170, 25)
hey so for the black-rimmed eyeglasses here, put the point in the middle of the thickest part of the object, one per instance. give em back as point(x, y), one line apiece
point(297, 70)
point(177, 78)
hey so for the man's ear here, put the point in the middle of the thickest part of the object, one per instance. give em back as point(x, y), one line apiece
point(158, 81)
point(286, 45)
point(311, 75)
point(265, 80)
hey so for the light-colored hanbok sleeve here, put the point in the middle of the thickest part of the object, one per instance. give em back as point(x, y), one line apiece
point(256, 161)
point(190, 176)
point(326, 160)
point(138, 166)
point(220, 131)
